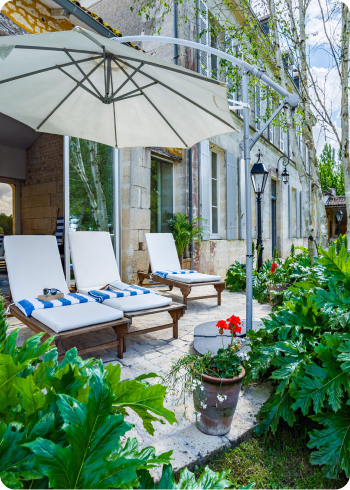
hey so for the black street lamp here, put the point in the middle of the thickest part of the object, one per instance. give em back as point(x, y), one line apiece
point(285, 173)
point(259, 177)
point(338, 218)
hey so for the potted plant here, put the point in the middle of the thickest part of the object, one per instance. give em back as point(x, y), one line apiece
point(214, 380)
point(184, 231)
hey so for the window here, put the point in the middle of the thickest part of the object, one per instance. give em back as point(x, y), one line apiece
point(213, 59)
point(161, 195)
point(257, 107)
point(91, 186)
point(281, 139)
point(214, 193)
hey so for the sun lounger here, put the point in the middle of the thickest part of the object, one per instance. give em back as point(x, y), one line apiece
point(34, 264)
point(163, 257)
point(95, 266)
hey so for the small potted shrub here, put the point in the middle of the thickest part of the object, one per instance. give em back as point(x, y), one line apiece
point(214, 380)
point(184, 232)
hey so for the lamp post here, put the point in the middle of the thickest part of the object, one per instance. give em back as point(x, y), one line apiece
point(338, 218)
point(259, 178)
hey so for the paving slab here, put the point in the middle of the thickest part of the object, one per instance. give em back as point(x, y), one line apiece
point(204, 445)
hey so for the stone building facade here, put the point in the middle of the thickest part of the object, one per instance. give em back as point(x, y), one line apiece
point(156, 181)
point(282, 212)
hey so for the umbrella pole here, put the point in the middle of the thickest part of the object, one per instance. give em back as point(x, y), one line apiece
point(249, 257)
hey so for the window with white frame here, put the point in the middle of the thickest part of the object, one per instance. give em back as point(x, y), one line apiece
point(215, 193)
point(257, 106)
point(281, 139)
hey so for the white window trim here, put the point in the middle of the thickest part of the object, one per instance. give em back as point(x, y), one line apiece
point(215, 236)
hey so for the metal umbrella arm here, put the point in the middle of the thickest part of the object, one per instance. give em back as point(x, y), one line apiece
point(291, 99)
point(247, 143)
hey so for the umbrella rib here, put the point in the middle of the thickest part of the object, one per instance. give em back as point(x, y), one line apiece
point(82, 72)
point(150, 102)
point(184, 97)
point(80, 84)
point(68, 95)
point(43, 70)
point(152, 63)
point(128, 78)
point(48, 48)
point(122, 97)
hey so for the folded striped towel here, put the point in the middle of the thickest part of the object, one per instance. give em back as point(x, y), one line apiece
point(165, 273)
point(27, 306)
point(102, 295)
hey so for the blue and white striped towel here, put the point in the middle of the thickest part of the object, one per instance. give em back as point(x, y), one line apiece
point(165, 273)
point(27, 306)
point(102, 295)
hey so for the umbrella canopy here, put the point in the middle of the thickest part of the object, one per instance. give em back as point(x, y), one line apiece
point(81, 84)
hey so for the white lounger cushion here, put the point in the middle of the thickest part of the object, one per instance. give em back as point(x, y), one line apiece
point(163, 257)
point(193, 278)
point(93, 259)
point(95, 266)
point(76, 316)
point(33, 263)
point(136, 303)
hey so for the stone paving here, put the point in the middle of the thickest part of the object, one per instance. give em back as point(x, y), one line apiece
point(154, 352)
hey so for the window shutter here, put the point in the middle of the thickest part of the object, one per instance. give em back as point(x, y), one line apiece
point(290, 212)
point(204, 37)
point(205, 176)
point(231, 197)
point(257, 106)
point(297, 198)
point(242, 210)
point(301, 213)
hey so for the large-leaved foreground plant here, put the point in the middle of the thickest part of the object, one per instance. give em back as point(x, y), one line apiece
point(305, 350)
point(62, 425)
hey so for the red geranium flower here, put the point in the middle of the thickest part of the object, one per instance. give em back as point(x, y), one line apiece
point(237, 329)
point(273, 268)
point(234, 320)
point(222, 325)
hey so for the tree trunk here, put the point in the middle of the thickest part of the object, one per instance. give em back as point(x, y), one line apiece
point(304, 180)
point(345, 108)
point(78, 164)
point(101, 199)
point(307, 128)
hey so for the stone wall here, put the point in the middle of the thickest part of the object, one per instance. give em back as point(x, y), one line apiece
point(42, 193)
point(34, 17)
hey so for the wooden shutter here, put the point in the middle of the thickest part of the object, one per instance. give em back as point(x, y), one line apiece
point(205, 190)
point(229, 49)
point(231, 197)
point(290, 212)
point(203, 25)
point(297, 199)
point(242, 198)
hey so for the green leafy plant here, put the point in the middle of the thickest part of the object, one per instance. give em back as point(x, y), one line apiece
point(236, 277)
point(61, 424)
point(305, 350)
point(184, 231)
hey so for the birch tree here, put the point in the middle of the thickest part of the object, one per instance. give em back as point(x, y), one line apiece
point(94, 192)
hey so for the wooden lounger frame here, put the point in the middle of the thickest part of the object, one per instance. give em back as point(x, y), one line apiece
point(175, 311)
point(185, 288)
point(120, 328)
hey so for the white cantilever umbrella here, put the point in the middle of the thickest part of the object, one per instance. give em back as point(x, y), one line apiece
point(81, 84)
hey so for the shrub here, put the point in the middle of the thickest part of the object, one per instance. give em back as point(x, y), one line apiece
point(305, 350)
point(61, 424)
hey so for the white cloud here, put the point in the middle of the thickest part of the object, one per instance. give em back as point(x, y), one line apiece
point(5, 199)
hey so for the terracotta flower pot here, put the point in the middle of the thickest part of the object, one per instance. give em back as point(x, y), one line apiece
point(216, 417)
point(277, 288)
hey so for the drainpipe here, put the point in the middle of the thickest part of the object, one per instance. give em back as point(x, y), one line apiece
point(190, 195)
point(175, 31)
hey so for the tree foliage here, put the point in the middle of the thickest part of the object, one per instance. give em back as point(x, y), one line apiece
point(331, 171)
